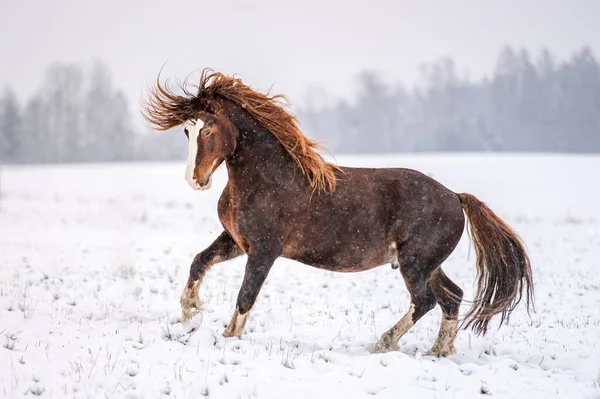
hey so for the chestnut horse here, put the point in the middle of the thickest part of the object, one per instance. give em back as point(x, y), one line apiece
point(283, 199)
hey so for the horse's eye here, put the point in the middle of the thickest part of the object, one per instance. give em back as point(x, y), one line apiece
point(206, 132)
point(187, 134)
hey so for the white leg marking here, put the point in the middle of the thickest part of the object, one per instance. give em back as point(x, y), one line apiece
point(389, 340)
point(190, 301)
point(444, 344)
point(236, 325)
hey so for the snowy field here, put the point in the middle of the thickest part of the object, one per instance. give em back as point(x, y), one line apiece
point(93, 260)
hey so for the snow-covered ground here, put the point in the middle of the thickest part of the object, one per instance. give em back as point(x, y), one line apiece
point(93, 259)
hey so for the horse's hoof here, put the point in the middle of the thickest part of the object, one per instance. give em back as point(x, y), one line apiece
point(440, 352)
point(189, 308)
point(187, 315)
point(384, 348)
point(230, 334)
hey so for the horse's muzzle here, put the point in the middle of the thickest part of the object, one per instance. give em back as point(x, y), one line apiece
point(203, 184)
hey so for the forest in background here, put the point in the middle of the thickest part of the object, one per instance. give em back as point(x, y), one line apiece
point(533, 105)
point(528, 104)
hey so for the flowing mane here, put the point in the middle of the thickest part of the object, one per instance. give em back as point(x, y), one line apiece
point(164, 110)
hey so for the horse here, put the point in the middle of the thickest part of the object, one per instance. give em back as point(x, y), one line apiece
point(283, 199)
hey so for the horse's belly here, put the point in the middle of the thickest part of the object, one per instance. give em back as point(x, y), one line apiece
point(337, 258)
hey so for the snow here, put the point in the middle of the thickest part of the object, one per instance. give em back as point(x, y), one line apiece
point(93, 259)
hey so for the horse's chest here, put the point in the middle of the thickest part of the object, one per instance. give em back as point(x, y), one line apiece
point(229, 211)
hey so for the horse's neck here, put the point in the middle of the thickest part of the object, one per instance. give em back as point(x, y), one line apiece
point(259, 158)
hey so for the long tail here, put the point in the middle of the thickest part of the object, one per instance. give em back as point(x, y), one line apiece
point(503, 267)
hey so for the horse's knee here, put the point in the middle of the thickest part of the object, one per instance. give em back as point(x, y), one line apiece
point(199, 266)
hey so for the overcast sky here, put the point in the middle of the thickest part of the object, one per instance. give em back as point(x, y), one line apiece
point(293, 45)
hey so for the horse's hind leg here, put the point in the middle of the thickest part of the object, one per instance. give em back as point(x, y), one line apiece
point(449, 296)
point(222, 249)
point(422, 300)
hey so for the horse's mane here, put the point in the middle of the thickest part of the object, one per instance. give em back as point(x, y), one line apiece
point(164, 110)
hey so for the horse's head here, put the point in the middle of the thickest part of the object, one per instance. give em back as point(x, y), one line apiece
point(211, 140)
point(206, 116)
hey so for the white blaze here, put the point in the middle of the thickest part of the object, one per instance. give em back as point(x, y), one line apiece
point(193, 132)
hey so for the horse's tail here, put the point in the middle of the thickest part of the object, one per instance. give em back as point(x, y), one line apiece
point(503, 267)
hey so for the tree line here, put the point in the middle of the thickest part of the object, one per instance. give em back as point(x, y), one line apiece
point(77, 115)
point(534, 104)
point(74, 117)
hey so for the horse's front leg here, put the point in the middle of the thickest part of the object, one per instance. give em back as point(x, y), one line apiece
point(257, 269)
point(222, 249)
